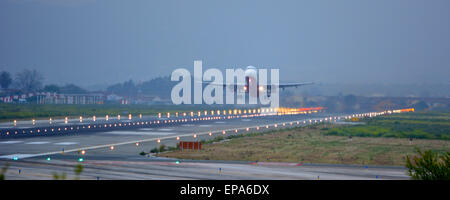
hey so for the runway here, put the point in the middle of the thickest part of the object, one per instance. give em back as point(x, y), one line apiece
point(144, 168)
point(24, 147)
point(115, 154)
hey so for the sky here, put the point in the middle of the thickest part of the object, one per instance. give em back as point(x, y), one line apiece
point(90, 42)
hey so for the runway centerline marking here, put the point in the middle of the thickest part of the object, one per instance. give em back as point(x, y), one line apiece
point(66, 143)
point(43, 142)
point(146, 129)
point(11, 142)
point(18, 156)
point(165, 129)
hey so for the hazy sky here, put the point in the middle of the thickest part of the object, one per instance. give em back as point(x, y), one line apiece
point(106, 41)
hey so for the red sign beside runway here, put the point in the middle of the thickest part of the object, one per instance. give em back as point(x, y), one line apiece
point(190, 145)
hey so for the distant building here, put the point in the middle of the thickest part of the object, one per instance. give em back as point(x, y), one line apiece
point(113, 97)
point(18, 98)
point(151, 99)
point(53, 98)
point(124, 101)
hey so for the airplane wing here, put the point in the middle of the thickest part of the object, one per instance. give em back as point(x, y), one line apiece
point(280, 85)
point(286, 85)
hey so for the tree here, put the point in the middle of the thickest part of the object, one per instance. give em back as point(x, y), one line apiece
point(29, 80)
point(51, 88)
point(161, 86)
point(5, 79)
point(350, 102)
point(127, 88)
point(72, 89)
point(421, 105)
point(429, 165)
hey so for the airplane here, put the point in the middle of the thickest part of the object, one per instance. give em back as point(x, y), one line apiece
point(251, 75)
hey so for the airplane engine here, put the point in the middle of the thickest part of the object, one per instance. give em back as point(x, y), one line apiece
point(251, 81)
point(270, 89)
point(232, 88)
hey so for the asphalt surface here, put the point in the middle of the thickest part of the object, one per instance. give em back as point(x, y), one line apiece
point(114, 154)
point(168, 169)
point(32, 146)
